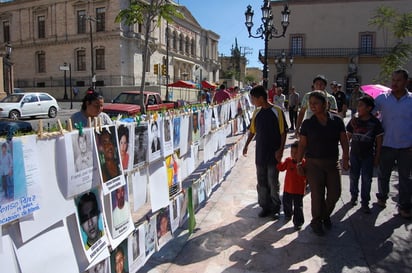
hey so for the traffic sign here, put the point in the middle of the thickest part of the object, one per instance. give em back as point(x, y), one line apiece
point(64, 68)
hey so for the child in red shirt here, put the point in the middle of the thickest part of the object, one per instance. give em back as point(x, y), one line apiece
point(294, 188)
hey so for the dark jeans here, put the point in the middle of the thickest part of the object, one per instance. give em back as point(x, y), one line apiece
point(268, 188)
point(403, 157)
point(293, 203)
point(293, 117)
point(360, 166)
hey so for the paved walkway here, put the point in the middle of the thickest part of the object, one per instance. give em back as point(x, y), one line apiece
point(231, 238)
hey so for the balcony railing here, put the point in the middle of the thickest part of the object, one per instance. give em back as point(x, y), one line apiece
point(327, 52)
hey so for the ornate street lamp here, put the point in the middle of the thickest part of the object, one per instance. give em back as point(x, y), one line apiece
point(282, 62)
point(267, 30)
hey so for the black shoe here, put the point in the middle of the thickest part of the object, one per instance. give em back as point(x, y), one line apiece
point(288, 218)
point(276, 216)
point(405, 213)
point(381, 203)
point(317, 229)
point(354, 201)
point(366, 209)
point(297, 227)
point(327, 223)
point(264, 213)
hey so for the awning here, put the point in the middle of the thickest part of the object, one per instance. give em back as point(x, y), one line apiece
point(183, 84)
point(208, 85)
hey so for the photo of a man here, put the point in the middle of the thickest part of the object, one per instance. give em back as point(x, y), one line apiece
point(119, 259)
point(89, 217)
point(121, 211)
point(108, 153)
point(155, 137)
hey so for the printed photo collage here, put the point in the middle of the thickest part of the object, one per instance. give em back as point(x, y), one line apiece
point(125, 181)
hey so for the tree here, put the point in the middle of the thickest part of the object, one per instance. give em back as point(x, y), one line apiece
point(149, 14)
point(388, 21)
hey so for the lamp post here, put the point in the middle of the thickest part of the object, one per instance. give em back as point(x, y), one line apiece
point(266, 30)
point(8, 70)
point(167, 61)
point(282, 62)
point(65, 81)
point(93, 75)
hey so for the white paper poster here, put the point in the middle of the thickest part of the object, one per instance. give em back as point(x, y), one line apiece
point(139, 180)
point(136, 249)
point(19, 191)
point(176, 132)
point(48, 253)
point(184, 134)
point(167, 134)
point(159, 191)
point(80, 157)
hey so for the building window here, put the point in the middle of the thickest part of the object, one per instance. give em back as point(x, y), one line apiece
point(174, 40)
point(100, 65)
point(41, 62)
point(297, 44)
point(81, 60)
point(100, 19)
point(81, 22)
point(6, 31)
point(41, 26)
point(187, 46)
point(193, 47)
point(181, 43)
point(367, 41)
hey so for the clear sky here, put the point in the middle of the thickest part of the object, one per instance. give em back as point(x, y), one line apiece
point(227, 18)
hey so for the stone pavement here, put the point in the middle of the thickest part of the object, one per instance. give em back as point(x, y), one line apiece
point(231, 238)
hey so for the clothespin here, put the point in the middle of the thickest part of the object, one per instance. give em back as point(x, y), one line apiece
point(96, 126)
point(138, 119)
point(69, 125)
point(79, 126)
point(60, 126)
point(40, 129)
point(155, 116)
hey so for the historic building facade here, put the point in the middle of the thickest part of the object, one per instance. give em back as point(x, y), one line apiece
point(333, 38)
point(48, 36)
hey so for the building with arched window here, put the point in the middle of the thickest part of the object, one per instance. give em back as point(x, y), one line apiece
point(46, 34)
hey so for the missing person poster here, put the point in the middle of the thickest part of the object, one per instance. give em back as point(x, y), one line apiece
point(19, 190)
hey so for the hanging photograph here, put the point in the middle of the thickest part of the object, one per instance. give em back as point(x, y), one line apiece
point(167, 134)
point(176, 132)
point(91, 226)
point(155, 148)
point(109, 159)
point(141, 143)
point(125, 134)
point(163, 228)
point(195, 127)
point(119, 260)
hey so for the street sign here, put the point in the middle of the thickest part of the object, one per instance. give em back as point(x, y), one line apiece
point(64, 68)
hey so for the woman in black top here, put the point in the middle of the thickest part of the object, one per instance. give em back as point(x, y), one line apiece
point(319, 143)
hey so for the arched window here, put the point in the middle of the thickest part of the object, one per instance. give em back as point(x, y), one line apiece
point(181, 43)
point(175, 40)
point(187, 45)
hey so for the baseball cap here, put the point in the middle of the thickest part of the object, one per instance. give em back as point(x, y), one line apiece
point(320, 77)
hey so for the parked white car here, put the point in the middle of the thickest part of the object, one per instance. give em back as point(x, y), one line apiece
point(19, 105)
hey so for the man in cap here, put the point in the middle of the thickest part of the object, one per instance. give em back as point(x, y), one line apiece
point(319, 83)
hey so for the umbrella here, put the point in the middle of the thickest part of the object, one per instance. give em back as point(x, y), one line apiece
point(183, 84)
point(375, 90)
point(208, 85)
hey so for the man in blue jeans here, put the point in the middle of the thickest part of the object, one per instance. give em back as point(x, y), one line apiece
point(395, 109)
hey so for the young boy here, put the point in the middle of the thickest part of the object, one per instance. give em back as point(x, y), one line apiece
point(366, 133)
point(268, 125)
point(293, 189)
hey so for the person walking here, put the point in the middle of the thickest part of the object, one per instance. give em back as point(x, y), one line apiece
point(293, 189)
point(340, 98)
point(319, 139)
point(221, 95)
point(293, 108)
point(319, 83)
point(354, 97)
point(366, 133)
point(268, 126)
point(395, 110)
